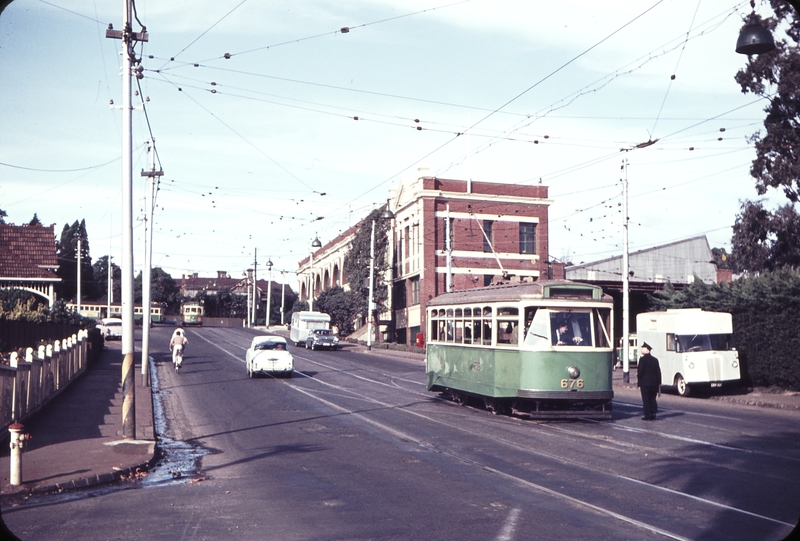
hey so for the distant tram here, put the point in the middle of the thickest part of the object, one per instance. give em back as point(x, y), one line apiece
point(539, 349)
point(99, 311)
point(192, 313)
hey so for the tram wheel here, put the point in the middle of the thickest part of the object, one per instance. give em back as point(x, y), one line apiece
point(459, 399)
point(493, 406)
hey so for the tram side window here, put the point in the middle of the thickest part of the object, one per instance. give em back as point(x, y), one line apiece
point(477, 326)
point(508, 326)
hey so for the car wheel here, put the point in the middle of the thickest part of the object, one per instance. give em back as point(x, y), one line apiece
point(681, 386)
point(312, 346)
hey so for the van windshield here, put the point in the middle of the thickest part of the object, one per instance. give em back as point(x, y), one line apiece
point(705, 342)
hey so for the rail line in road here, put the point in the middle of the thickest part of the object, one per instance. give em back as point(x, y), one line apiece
point(343, 392)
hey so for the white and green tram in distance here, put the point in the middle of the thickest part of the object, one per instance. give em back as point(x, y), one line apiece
point(538, 349)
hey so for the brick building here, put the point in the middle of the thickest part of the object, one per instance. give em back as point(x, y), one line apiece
point(497, 231)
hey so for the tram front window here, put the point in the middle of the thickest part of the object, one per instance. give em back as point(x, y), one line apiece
point(570, 329)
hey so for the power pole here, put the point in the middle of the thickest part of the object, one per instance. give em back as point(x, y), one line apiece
point(148, 262)
point(78, 258)
point(255, 287)
point(626, 375)
point(129, 39)
point(110, 293)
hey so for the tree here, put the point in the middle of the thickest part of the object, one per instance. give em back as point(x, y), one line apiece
point(163, 289)
point(35, 220)
point(341, 306)
point(775, 76)
point(3, 216)
point(764, 240)
point(67, 253)
point(100, 273)
point(223, 304)
point(357, 263)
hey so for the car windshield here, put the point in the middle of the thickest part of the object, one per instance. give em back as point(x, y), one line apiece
point(323, 332)
point(113, 324)
point(271, 345)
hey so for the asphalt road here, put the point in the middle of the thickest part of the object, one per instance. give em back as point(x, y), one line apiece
point(353, 447)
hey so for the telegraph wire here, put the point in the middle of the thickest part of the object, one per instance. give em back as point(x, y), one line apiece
point(343, 30)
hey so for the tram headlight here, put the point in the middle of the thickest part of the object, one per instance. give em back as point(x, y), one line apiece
point(736, 363)
point(691, 365)
point(573, 372)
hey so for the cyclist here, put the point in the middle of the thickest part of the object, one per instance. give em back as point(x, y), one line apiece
point(177, 345)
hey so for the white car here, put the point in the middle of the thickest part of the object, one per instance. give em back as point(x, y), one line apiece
point(111, 328)
point(269, 355)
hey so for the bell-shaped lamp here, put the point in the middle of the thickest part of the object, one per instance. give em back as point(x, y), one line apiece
point(754, 38)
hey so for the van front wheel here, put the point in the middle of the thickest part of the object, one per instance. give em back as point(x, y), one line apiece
point(681, 386)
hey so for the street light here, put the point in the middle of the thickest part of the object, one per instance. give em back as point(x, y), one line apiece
point(315, 244)
point(385, 215)
point(754, 38)
point(269, 290)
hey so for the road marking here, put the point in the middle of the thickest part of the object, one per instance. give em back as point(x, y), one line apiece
point(405, 436)
point(510, 526)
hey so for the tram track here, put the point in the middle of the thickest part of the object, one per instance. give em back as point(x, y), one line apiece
point(334, 393)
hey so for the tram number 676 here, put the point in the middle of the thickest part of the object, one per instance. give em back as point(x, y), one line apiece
point(571, 383)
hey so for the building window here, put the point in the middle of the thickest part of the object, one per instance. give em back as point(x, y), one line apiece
point(414, 290)
point(399, 295)
point(448, 230)
point(487, 238)
point(527, 238)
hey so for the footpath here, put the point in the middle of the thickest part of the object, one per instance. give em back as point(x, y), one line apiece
point(77, 438)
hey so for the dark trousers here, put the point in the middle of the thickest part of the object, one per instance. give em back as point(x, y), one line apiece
point(649, 394)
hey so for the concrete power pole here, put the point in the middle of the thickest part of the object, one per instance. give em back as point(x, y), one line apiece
point(626, 324)
point(78, 257)
point(129, 39)
point(148, 262)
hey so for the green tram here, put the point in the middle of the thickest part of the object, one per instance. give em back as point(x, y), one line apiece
point(192, 313)
point(540, 349)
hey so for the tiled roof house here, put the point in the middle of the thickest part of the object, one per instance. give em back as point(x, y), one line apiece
point(28, 259)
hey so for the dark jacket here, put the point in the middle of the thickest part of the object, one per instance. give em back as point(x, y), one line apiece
point(648, 373)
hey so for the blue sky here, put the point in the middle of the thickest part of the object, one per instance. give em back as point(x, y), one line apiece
point(255, 148)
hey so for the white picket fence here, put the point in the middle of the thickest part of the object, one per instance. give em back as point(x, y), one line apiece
point(28, 384)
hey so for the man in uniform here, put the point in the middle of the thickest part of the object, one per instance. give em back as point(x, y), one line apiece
point(648, 374)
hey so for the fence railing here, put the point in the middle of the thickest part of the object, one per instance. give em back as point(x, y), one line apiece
point(27, 384)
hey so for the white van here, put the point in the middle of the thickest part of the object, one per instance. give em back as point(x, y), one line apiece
point(694, 347)
point(303, 322)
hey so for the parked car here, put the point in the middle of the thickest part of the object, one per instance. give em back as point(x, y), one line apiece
point(269, 355)
point(321, 338)
point(111, 328)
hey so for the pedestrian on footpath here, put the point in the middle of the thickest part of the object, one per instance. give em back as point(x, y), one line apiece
point(648, 375)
